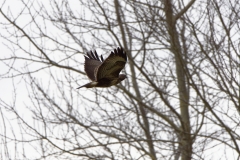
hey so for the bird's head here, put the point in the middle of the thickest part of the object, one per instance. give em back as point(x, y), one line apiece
point(122, 77)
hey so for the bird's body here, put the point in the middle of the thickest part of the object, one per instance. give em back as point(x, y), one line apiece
point(105, 73)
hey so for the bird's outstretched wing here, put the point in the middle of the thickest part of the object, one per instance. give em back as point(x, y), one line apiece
point(111, 67)
point(92, 62)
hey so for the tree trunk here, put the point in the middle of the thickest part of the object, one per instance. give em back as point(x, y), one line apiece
point(185, 136)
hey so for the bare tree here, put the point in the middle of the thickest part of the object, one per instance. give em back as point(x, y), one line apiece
point(180, 100)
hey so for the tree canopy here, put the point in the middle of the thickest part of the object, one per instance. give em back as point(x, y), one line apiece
point(181, 98)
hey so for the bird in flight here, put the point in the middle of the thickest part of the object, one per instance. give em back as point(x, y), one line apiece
point(105, 73)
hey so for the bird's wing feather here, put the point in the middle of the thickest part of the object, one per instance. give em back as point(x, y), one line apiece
point(111, 67)
point(92, 62)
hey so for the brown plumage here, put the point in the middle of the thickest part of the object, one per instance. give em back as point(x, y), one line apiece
point(105, 73)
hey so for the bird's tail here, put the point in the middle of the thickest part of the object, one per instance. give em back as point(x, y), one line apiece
point(89, 85)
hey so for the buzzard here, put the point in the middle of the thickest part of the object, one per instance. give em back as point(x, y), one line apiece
point(105, 73)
